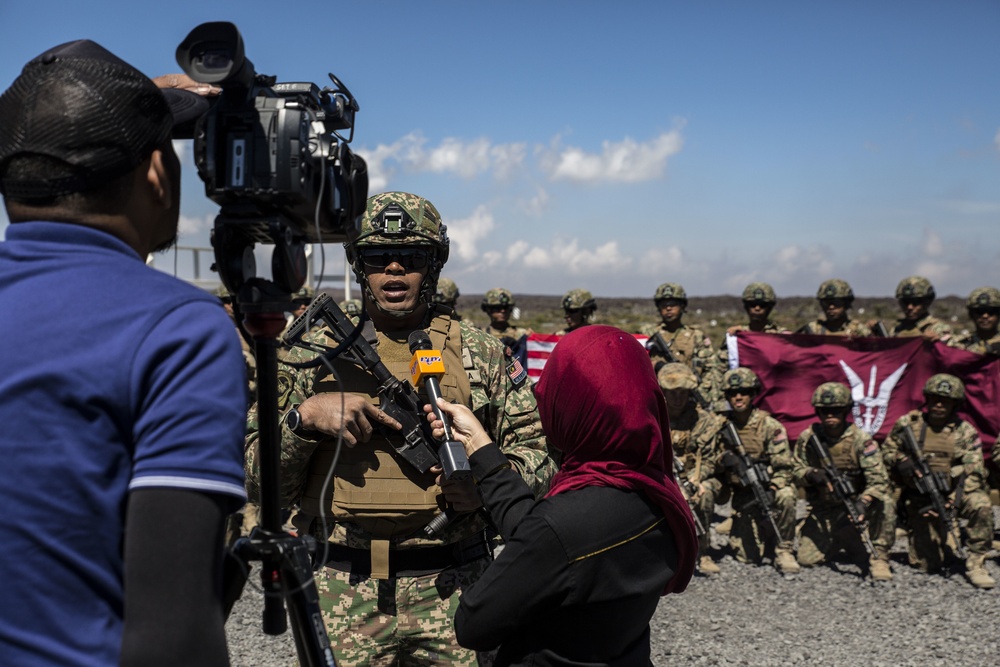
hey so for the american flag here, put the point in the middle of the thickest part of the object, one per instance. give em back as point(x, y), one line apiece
point(540, 346)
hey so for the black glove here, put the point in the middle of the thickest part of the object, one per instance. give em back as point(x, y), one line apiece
point(862, 504)
point(906, 468)
point(730, 461)
point(816, 477)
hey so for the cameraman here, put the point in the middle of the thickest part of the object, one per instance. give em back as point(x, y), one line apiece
point(121, 444)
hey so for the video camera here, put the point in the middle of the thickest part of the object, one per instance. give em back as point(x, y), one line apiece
point(274, 157)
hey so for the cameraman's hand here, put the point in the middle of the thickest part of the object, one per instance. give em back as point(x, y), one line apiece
point(464, 426)
point(184, 82)
point(349, 414)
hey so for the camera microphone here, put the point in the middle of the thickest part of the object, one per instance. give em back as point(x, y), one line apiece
point(426, 367)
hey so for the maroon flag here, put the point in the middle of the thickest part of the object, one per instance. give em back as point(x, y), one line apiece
point(886, 377)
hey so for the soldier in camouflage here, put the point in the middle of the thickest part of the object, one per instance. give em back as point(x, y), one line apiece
point(689, 345)
point(447, 295)
point(915, 296)
point(695, 436)
point(351, 307)
point(765, 440)
point(953, 451)
point(579, 306)
point(498, 304)
point(248, 359)
point(827, 529)
point(984, 310)
point(835, 298)
point(759, 300)
point(388, 591)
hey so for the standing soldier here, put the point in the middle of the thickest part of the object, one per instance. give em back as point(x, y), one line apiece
point(447, 295)
point(695, 436)
point(765, 441)
point(951, 451)
point(579, 306)
point(835, 299)
point(498, 304)
point(759, 300)
point(388, 587)
point(915, 296)
point(828, 527)
point(984, 311)
point(686, 344)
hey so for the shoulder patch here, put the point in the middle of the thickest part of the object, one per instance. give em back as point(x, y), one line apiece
point(515, 371)
point(871, 448)
point(285, 384)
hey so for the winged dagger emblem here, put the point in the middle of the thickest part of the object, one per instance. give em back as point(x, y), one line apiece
point(875, 405)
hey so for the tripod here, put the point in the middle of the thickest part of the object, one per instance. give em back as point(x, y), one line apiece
point(286, 566)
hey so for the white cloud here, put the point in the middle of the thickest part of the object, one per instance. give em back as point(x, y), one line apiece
point(932, 244)
point(189, 226)
point(536, 205)
point(567, 257)
point(627, 161)
point(465, 233)
point(996, 140)
point(180, 147)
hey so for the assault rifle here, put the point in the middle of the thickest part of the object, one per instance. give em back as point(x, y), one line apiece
point(935, 487)
point(689, 491)
point(656, 345)
point(879, 330)
point(844, 491)
point(753, 476)
point(397, 398)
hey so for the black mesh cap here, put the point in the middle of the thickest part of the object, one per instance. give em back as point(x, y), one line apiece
point(80, 104)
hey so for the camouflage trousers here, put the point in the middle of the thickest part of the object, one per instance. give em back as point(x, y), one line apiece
point(827, 531)
point(397, 621)
point(716, 493)
point(926, 551)
point(750, 538)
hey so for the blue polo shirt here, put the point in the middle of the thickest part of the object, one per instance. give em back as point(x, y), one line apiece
point(113, 376)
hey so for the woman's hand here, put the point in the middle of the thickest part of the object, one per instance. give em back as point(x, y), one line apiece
point(464, 426)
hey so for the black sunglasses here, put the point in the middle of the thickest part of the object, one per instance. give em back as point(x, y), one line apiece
point(409, 258)
point(761, 304)
point(976, 312)
point(830, 411)
point(496, 309)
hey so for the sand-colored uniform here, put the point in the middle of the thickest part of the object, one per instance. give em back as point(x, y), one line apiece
point(689, 345)
point(695, 437)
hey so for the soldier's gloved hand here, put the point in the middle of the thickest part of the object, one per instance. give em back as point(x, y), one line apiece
point(462, 496)
point(906, 468)
point(863, 503)
point(347, 414)
point(815, 477)
point(730, 461)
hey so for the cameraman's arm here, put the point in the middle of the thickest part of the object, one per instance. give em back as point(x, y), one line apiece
point(173, 569)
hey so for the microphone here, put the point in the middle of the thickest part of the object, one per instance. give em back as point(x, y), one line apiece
point(426, 366)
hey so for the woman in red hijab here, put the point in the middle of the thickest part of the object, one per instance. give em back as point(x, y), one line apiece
point(583, 569)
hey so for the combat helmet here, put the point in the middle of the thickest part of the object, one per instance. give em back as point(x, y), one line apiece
point(447, 292)
point(984, 297)
point(759, 292)
point(352, 307)
point(222, 292)
point(740, 378)
point(305, 294)
point(915, 287)
point(676, 376)
point(670, 291)
point(832, 395)
point(835, 289)
point(945, 385)
point(498, 296)
point(578, 298)
point(404, 220)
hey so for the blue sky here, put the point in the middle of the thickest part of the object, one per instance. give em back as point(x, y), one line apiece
point(615, 146)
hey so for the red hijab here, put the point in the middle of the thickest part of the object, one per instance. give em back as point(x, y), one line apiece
point(601, 405)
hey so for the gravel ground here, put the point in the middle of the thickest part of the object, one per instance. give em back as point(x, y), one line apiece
point(750, 615)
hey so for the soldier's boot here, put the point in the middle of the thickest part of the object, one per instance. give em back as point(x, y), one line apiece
point(785, 562)
point(975, 571)
point(725, 526)
point(879, 569)
point(707, 566)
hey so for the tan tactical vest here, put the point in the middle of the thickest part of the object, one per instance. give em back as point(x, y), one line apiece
point(844, 456)
point(682, 344)
point(938, 450)
point(373, 487)
point(753, 439)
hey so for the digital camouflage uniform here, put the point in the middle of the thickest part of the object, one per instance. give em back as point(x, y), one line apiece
point(764, 439)
point(826, 529)
point(835, 289)
point(377, 505)
point(954, 453)
point(981, 297)
point(695, 437)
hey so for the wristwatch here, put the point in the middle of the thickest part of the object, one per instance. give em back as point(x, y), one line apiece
point(293, 420)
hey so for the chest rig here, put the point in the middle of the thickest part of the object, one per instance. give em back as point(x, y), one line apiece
point(373, 487)
point(938, 449)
